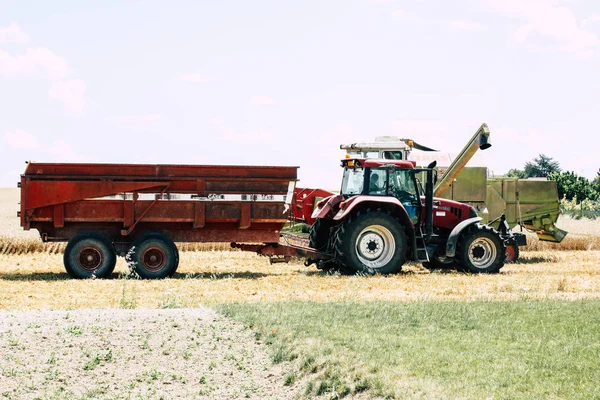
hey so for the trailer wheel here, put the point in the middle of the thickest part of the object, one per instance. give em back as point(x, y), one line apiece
point(371, 242)
point(481, 250)
point(89, 255)
point(319, 234)
point(154, 256)
point(512, 253)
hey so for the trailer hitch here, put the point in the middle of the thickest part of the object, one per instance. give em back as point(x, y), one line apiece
point(309, 261)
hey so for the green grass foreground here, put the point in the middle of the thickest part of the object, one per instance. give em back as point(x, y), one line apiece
point(499, 350)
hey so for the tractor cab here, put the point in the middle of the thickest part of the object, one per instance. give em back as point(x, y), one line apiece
point(389, 178)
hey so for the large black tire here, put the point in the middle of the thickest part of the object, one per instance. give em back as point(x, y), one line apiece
point(319, 234)
point(89, 255)
point(480, 250)
point(512, 253)
point(371, 242)
point(154, 256)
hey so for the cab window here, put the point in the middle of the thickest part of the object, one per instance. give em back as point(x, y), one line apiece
point(377, 181)
point(401, 185)
point(392, 155)
point(352, 183)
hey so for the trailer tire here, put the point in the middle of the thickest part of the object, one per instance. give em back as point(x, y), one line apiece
point(154, 256)
point(371, 242)
point(89, 255)
point(319, 234)
point(480, 250)
point(512, 253)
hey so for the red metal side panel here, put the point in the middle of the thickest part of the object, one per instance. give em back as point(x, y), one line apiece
point(304, 203)
point(44, 193)
point(129, 171)
point(63, 199)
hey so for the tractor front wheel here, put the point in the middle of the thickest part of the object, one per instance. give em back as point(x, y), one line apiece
point(319, 234)
point(371, 242)
point(481, 250)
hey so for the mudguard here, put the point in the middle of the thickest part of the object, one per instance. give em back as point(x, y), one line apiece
point(329, 206)
point(453, 238)
point(354, 202)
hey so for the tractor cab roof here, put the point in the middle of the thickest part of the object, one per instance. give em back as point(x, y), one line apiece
point(378, 163)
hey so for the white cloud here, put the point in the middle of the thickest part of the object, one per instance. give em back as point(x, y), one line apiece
point(464, 25)
point(591, 20)
point(71, 94)
point(262, 101)
point(195, 78)
point(548, 19)
point(35, 62)
point(21, 140)
point(13, 34)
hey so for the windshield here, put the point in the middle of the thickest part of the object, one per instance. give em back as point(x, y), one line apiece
point(353, 181)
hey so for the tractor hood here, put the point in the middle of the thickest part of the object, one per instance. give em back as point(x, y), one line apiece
point(448, 213)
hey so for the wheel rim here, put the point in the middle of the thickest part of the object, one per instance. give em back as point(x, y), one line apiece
point(89, 258)
point(375, 246)
point(482, 252)
point(154, 259)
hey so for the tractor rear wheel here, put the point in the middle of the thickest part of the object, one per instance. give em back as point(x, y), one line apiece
point(481, 250)
point(89, 255)
point(371, 242)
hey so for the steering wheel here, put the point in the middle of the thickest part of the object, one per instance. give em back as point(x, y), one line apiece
point(402, 195)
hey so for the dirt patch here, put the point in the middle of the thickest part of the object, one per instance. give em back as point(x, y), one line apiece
point(181, 353)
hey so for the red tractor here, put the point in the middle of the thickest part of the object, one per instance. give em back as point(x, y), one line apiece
point(384, 217)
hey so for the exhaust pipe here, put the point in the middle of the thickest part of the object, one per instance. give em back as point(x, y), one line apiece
point(429, 202)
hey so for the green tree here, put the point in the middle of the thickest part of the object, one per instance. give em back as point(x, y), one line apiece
point(542, 167)
point(571, 185)
point(516, 173)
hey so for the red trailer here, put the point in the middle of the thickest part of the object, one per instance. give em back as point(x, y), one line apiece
point(107, 209)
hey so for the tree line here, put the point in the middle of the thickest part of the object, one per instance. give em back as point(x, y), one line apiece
point(570, 186)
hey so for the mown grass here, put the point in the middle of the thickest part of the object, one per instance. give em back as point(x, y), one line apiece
point(479, 350)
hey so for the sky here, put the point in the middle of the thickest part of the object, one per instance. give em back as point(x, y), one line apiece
point(271, 82)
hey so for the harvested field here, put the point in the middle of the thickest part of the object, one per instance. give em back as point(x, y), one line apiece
point(38, 281)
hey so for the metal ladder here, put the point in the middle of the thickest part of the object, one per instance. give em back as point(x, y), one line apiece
point(422, 255)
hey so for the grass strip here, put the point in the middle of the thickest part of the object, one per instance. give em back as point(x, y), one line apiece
point(527, 349)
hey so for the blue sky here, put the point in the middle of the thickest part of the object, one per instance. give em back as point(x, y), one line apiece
point(284, 83)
